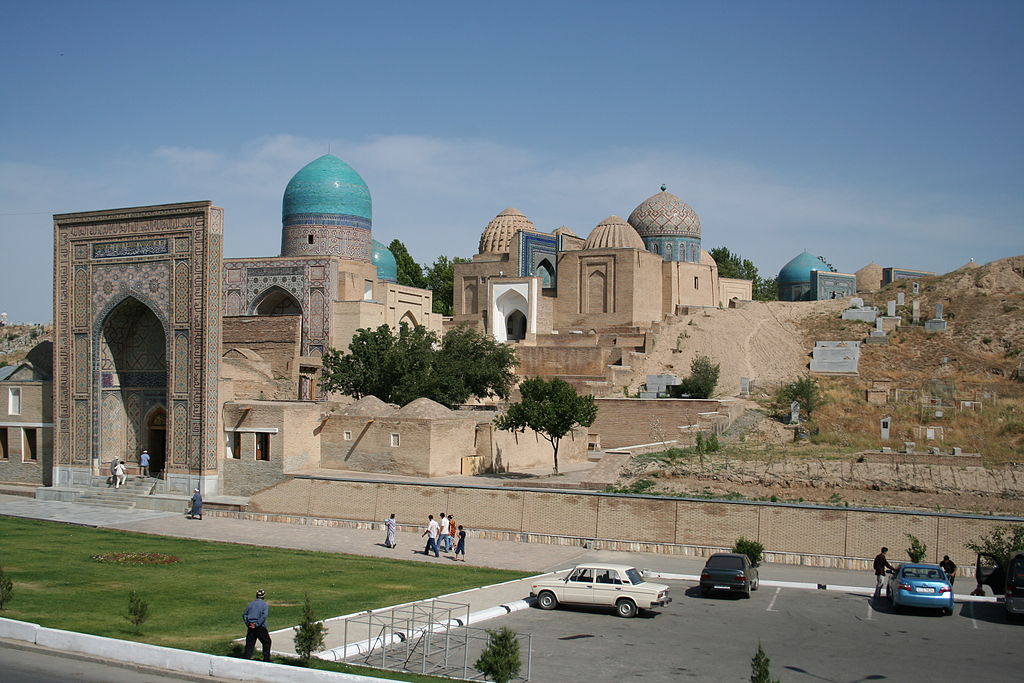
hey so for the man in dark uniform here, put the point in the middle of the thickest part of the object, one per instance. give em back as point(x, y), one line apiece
point(881, 564)
point(948, 566)
point(255, 618)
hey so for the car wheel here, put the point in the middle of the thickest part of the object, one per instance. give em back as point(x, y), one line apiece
point(746, 593)
point(625, 608)
point(888, 595)
point(757, 584)
point(947, 611)
point(547, 600)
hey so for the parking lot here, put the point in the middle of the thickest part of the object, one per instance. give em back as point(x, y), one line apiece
point(810, 635)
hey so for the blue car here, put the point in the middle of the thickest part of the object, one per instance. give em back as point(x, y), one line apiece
point(920, 585)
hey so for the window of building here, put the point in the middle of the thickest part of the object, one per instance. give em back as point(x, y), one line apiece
point(310, 239)
point(3, 444)
point(236, 445)
point(347, 435)
point(262, 446)
point(31, 452)
point(367, 290)
point(14, 401)
point(696, 282)
point(396, 440)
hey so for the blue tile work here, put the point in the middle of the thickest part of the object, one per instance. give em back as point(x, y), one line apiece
point(327, 186)
point(892, 274)
point(330, 219)
point(535, 248)
point(674, 248)
point(829, 285)
point(130, 248)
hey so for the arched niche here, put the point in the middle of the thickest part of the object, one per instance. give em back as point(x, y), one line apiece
point(277, 301)
point(546, 272)
point(512, 307)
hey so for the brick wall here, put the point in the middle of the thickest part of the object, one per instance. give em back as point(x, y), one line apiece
point(631, 421)
point(36, 410)
point(637, 522)
point(275, 338)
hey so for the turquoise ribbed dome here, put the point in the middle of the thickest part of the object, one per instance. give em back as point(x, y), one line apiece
point(799, 268)
point(327, 186)
point(387, 266)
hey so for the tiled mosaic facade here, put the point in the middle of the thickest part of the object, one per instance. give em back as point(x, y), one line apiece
point(137, 308)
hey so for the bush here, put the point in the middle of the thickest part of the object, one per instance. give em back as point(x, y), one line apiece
point(917, 550)
point(138, 610)
point(702, 380)
point(706, 444)
point(1003, 542)
point(309, 634)
point(752, 549)
point(500, 659)
point(6, 588)
point(804, 391)
point(759, 668)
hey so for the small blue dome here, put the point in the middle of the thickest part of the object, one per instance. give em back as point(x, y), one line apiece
point(387, 266)
point(799, 268)
point(328, 186)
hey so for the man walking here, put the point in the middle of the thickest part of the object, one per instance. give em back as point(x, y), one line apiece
point(881, 564)
point(433, 529)
point(255, 618)
point(444, 538)
point(144, 464)
point(119, 474)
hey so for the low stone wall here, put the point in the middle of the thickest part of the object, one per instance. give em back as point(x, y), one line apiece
point(791, 533)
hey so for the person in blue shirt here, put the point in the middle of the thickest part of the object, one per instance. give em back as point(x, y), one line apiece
point(144, 464)
point(196, 511)
point(255, 618)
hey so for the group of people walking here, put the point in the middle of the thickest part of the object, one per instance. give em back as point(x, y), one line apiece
point(441, 535)
point(119, 472)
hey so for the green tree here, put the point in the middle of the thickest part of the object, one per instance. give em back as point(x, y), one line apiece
point(917, 550)
point(6, 588)
point(1004, 541)
point(731, 264)
point(760, 671)
point(309, 634)
point(804, 391)
point(550, 408)
point(399, 368)
point(138, 610)
point(410, 273)
point(702, 380)
point(439, 279)
point(766, 289)
point(500, 660)
point(752, 549)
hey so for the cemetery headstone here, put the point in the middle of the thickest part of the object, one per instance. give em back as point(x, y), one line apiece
point(886, 423)
point(908, 446)
point(890, 308)
point(794, 412)
point(857, 302)
point(745, 386)
point(938, 311)
point(901, 298)
point(917, 288)
point(915, 310)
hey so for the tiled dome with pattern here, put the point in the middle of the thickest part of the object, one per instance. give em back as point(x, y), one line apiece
point(613, 233)
point(497, 236)
point(665, 214)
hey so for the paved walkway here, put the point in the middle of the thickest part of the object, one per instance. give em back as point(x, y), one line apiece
point(536, 558)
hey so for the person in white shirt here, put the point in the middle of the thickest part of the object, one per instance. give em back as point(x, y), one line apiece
point(433, 529)
point(444, 538)
point(119, 474)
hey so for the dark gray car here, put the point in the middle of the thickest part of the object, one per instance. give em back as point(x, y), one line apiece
point(728, 572)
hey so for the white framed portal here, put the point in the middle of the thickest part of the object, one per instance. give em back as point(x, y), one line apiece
point(512, 308)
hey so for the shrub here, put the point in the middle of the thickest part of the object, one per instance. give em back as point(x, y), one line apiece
point(309, 634)
point(759, 668)
point(6, 588)
point(500, 658)
point(706, 444)
point(804, 391)
point(1001, 543)
point(138, 610)
point(752, 549)
point(702, 380)
point(917, 550)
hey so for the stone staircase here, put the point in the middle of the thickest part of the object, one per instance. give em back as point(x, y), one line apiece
point(100, 494)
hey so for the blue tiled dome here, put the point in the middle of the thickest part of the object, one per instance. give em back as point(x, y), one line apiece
point(328, 187)
point(799, 268)
point(387, 266)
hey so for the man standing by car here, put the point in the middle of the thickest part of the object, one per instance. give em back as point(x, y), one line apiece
point(881, 564)
point(948, 566)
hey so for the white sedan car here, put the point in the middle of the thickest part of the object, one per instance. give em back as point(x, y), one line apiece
point(607, 585)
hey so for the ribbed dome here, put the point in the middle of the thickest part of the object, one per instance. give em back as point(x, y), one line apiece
point(328, 186)
point(665, 214)
point(387, 266)
point(497, 236)
point(799, 268)
point(613, 233)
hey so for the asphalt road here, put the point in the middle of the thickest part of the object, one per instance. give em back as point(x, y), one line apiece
point(35, 665)
point(809, 636)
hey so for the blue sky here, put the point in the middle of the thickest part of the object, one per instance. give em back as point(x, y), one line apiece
point(868, 131)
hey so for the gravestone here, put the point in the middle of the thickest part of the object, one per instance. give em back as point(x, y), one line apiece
point(908, 446)
point(886, 423)
point(856, 302)
point(890, 308)
point(915, 310)
point(901, 298)
point(957, 450)
point(935, 325)
point(744, 386)
point(878, 325)
point(917, 288)
point(886, 449)
point(794, 412)
point(938, 311)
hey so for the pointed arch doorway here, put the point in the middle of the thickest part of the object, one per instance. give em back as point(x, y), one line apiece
point(156, 440)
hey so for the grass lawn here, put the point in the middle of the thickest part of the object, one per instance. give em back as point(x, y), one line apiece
point(197, 603)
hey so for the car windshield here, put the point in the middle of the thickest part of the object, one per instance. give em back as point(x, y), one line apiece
point(923, 573)
point(725, 562)
point(634, 576)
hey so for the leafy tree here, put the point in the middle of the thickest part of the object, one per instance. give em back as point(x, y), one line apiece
point(439, 279)
point(752, 549)
point(1004, 541)
point(6, 588)
point(804, 391)
point(766, 290)
point(731, 264)
point(138, 610)
point(759, 668)
point(917, 550)
point(416, 363)
point(309, 634)
point(702, 380)
point(500, 660)
point(410, 273)
point(550, 408)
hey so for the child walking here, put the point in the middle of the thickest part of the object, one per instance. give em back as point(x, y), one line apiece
point(460, 548)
